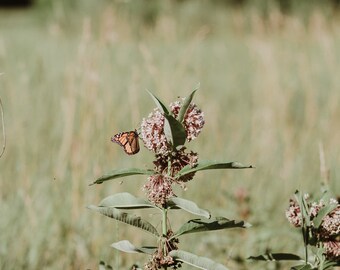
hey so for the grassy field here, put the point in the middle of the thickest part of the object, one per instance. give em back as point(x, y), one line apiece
point(75, 74)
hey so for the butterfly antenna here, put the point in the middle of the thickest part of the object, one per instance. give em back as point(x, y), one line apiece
point(138, 131)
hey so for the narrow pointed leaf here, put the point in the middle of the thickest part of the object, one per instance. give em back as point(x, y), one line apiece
point(330, 264)
point(197, 261)
point(186, 104)
point(303, 207)
point(127, 247)
point(188, 206)
point(275, 257)
point(201, 225)
point(125, 201)
point(212, 165)
point(302, 267)
point(132, 220)
point(174, 131)
point(322, 213)
point(159, 104)
point(121, 173)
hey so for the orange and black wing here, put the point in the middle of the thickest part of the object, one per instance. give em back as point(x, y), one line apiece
point(128, 140)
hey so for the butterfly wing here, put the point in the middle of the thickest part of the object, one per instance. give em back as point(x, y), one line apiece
point(128, 140)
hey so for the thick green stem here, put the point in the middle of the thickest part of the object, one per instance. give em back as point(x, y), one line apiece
point(164, 231)
point(165, 210)
point(305, 233)
point(164, 222)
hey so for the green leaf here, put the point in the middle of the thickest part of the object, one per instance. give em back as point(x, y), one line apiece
point(125, 201)
point(196, 261)
point(121, 173)
point(127, 247)
point(322, 213)
point(212, 165)
point(304, 209)
point(302, 267)
point(201, 225)
point(275, 257)
point(159, 104)
point(132, 220)
point(174, 131)
point(186, 104)
point(330, 265)
point(188, 206)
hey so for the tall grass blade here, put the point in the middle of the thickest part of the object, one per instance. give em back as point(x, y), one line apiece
point(3, 128)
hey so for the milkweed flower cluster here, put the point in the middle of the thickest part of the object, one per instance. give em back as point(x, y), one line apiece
point(169, 160)
point(152, 127)
point(327, 234)
point(293, 213)
point(159, 259)
point(152, 132)
point(193, 120)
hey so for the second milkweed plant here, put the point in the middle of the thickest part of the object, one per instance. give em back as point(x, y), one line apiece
point(319, 223)
point(165, 132)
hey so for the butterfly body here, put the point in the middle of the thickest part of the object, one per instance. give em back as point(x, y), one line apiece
point(128, 140)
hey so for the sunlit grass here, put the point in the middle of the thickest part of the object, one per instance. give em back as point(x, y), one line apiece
point(73, 76)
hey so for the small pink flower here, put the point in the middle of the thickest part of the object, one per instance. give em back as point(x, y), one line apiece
point(293, 214)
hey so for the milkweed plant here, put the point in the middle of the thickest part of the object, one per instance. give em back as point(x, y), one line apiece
point(319, 223)
point(166, 132)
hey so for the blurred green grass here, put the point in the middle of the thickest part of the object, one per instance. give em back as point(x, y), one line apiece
point(74, 74)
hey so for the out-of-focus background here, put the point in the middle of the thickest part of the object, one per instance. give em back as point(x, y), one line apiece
point(75, 72)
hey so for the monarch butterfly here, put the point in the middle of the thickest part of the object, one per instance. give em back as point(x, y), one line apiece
point(128, 140)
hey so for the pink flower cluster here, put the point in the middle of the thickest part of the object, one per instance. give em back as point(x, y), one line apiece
point(159, 259)
point(169, 161)
point(152, 127)
point(293, 213)
point(152, 132)
point(328, 231)
point(193, 119)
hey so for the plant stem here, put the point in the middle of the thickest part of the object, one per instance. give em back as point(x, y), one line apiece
point(164, 221)
point(164, 231)
point(305, 232)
